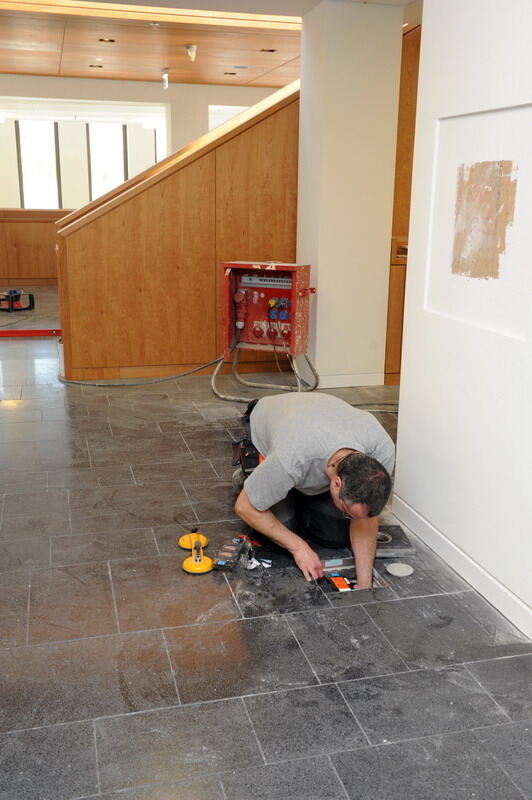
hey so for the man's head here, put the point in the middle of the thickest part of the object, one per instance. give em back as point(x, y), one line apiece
point(361, 486)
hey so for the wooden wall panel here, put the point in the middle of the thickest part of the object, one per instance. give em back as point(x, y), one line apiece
point(28, 239)
point(401, 208)
point(140, 278)
point(406, 125)
point(256, 197)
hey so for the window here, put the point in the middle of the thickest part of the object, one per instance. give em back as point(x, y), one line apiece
point(63, 153)
point(106, 156)
point(220, 114)
point(38, 163)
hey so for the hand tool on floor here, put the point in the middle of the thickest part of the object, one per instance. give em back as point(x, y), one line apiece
point(186, 541)
point(229, 553)
point(196, 563)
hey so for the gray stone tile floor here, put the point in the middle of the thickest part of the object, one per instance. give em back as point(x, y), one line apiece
point(124, 678)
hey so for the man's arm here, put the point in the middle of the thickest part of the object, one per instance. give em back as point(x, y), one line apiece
point(363, 536)
point(267, 523)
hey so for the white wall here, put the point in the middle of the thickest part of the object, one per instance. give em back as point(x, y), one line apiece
point(350, 72)
point(188, 103)
point(463, 473)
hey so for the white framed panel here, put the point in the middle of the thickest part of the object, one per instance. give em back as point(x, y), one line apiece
point(140, 148)
point(9, 185)
point(73, 160)
point(499, 302)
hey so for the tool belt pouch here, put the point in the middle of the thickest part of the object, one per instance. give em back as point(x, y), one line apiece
point(246, 454)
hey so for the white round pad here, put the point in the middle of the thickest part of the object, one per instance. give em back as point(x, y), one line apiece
point(399, 570)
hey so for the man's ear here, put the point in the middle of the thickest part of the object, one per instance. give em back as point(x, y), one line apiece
point(336, 482)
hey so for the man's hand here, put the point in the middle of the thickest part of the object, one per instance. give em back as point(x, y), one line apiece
point(266, 523)
point(308, 562)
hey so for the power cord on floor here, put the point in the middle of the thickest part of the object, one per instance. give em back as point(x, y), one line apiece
point(142, 383)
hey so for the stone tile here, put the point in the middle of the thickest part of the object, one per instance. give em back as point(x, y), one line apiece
point(181, 421)
point(157, 593)
point(89, 478)
point(343, 644)
point(48, 763)
point(439, 768)
point(511, 746)
point(108, 546)
point(235, 658)
point(107, 453)
point(216, 532)
point(298, 780)
point(303, 722)
point(223, 467)
point(27, 515)
point(420, 703)
point(125, 431)
point(149, 474)
point(197, 789)
point(61, 454)
point(431, 575)
point(360, 596)
point(274, 591)
point(24, 554)
point(14, 482)
point(139, 514)
point(447, 629)
point(120, 498)
point(161, 746)
point(509, 682)
point(208, 443)
point(215, 510)
point(13, 607)
point(212, 499)
point(11, 415)
point(71, 603)
point(18, 457)
point(69, 681)
point(33, 432)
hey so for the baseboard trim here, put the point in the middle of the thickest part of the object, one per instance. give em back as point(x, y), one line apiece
point(341, 381)
point(511, 606)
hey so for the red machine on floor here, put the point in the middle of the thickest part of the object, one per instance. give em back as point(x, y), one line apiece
point(266, 307)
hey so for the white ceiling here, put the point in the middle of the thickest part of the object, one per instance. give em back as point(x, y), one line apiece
point(277, 7)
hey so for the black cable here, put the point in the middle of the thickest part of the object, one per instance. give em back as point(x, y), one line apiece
point(143, 383)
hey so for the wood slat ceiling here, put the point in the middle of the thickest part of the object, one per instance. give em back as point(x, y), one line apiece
point(66, 46)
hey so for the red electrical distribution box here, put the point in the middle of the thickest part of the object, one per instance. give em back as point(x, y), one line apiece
point(266, 306)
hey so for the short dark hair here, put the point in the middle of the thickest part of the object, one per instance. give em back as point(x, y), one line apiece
point(364, 480)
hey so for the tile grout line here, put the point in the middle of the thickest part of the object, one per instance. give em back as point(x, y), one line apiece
point(50, 560)
point(474, 677)
point(133, 475)
point(366, 737)
point(96, 761)
point(301, 648)
point(2, 511)
point(113, 596)
point(69, 513)
point(246, 710)
point(28, 604)
point(407, 666)
point(504, 771)
point(171, 666)
point(233, 596)
point(88, 451)
point(337, 775)
point(157, 548)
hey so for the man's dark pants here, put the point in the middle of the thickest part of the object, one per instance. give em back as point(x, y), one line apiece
point(314, 517)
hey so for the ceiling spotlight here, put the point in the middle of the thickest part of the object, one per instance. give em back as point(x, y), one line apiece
point(240, 66)
point(164, 78)
point(192, 50)
point(154, 25)
point(106, 40)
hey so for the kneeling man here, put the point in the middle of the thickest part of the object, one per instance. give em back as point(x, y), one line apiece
point(325, 474)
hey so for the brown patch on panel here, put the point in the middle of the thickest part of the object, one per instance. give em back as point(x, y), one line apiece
point(485, 199)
